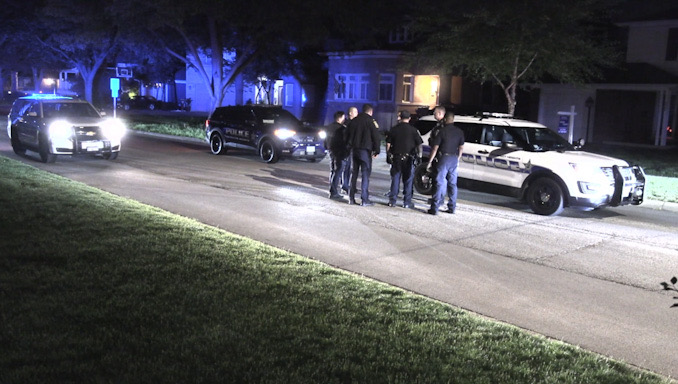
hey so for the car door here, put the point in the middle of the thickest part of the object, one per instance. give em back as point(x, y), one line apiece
point(499, 160)
point(28, 122)
point(472, 135)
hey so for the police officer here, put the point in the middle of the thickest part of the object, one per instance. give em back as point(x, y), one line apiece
point(365, 142)
point(346, 175)
point(336, 143)
point(447, 146)
point(403, 149)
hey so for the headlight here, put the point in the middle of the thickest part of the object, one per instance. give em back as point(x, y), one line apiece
point(113, 129)
point(322, 134)
point(60, 130)
point(588, 172)
point(284, 133)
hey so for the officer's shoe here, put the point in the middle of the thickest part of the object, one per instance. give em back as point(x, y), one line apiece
point(366, 203)
point(432, 212)
point(450, 210)
point(391, 204)
point(408, 206)
point(336, 196)
point(351, 202)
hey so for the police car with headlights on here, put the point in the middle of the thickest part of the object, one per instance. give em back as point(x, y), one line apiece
point(526, 160)
point(270, 130)
point(54, 125)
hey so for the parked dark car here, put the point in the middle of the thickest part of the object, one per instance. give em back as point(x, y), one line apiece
point(141, 102)
point(272, 131)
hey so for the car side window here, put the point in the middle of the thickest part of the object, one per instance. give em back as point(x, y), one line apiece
point(472, 132)
point(492, 135)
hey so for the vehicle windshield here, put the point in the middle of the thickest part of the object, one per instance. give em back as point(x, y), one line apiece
point(279, 116)
point(538, 139)
point(69, 110)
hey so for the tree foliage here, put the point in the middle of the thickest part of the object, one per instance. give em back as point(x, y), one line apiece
point(511, 42)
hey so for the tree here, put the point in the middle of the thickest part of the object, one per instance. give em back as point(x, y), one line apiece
point(81, 32)
point(511, 42)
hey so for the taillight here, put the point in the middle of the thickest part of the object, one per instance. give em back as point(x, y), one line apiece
point(207, 123)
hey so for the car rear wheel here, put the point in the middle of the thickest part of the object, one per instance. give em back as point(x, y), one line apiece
point(151, 106)
point(111, 155)
point(16, 145)
point(217, 144)
point(545, 197)
point(268, 152)
point(45, 155)
point(423, 179)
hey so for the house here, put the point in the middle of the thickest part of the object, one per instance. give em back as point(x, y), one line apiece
point(377, 77)
point(635, 104)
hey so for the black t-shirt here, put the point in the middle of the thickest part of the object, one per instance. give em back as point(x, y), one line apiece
point(449, 139)
point(403, 138)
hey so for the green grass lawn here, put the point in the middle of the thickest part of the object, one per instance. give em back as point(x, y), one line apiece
point(95, 288)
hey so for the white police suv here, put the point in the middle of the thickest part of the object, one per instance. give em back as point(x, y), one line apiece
point(526, 160)
point(54, 125)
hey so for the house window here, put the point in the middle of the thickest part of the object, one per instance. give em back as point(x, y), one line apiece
point(351, 86)
point(289, 94)
point(672, 45)
point(400, 35)
point(408, 82)
point(386, 84)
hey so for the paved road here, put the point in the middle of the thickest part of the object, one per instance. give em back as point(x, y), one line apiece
point(587, 278)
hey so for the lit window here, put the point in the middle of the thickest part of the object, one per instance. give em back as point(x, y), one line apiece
point(386, 84)
point(408, 82)
point(289, 94)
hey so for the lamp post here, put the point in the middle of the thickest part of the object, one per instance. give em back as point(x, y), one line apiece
point(588, 104)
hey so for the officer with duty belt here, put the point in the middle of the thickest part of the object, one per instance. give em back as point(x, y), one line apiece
point(403, 151)
point(447, 147)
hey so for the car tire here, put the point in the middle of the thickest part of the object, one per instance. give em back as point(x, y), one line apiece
point(151, 107)
point(217, 144)
point(126, 107)
point(111, 155)
point(45, 155)
point(423, 179)
point(268, 152)
point(16, 145)
point(545, 197)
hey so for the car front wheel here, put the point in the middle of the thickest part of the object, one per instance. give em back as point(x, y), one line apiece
point(16, 145)
point(268, 152)
point(45, 155)
point(111, 156)
point(217, 144)
point(545, 197)
point(423, 179)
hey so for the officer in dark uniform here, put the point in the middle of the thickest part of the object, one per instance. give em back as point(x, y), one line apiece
point(447, 146)
point(403, 149)
point(365, 141)
point(336, 143)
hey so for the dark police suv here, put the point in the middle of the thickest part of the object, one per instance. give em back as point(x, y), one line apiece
point(272, 131)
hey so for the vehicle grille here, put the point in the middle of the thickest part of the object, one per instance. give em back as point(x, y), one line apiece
point(88, 133)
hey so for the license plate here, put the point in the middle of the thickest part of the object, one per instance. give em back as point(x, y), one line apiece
point(310, 150)
point(91, 146)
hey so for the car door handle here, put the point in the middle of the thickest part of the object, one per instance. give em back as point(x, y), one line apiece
point(484, 152)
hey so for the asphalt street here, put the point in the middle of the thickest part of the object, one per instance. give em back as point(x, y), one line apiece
point(586, 278)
